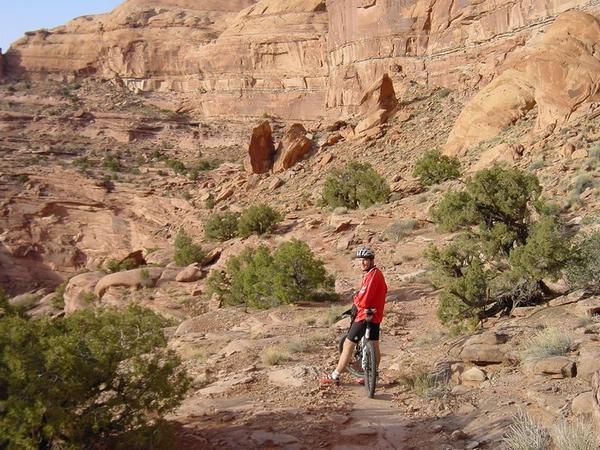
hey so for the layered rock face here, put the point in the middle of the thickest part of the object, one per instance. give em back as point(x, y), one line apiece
point(558, 72)
point(232, 58)
point(298, 59)
point(445, 43)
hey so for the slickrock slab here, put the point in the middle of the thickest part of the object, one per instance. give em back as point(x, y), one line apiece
point(555, 367)
point(147, 276)
point(473, 375)
point(588, 364)
point(582, 405)
point(482, 354)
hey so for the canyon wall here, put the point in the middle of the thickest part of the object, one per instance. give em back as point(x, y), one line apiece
point(297, 59)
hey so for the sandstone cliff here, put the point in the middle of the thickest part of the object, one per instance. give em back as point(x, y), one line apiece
point(300, 59)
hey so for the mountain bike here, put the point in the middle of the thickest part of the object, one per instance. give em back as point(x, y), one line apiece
point(363, 363)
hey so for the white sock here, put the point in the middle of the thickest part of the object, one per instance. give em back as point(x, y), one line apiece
point(335, 375)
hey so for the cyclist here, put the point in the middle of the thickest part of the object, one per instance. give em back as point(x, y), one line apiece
point(371, 295)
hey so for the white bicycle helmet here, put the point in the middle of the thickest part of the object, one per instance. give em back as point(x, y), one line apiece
point(365, 252)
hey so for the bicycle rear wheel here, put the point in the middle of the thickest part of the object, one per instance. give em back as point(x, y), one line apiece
point(355, 365)
point(370, 373)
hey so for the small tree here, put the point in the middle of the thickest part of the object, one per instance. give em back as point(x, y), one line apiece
point(221, 227)
point(583, 270)
point(73, 382)
point(259, 219)
point(503, 253)
point(434, 168)
point(356, 185)
point(186, 252)
point(258, 278)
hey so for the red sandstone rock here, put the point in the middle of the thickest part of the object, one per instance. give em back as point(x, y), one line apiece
point(261, 151)
point(293, 147)
point(558, 72)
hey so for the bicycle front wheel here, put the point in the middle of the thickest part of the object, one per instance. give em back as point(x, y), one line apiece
point(370, 362)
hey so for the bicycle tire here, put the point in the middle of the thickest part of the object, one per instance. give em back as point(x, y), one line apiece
point(355, 365)
point(370, 374)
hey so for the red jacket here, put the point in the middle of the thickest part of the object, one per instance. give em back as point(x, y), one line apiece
point(371, 295)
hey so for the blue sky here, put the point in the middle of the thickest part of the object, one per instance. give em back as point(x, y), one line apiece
point(28, 15)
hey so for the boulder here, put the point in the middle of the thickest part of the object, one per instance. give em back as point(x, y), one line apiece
point(486, 338)
point(379, 96)
point(474, 374)
point(261, 151)
point(147, 276)
point(482, 354)
point(596, 396)
point(189, 274)
point(555, 366)
point(588, 364)
point(293, 147)
point(582, 405)
point(340, 223)
point(137, 259)
point(78, 288)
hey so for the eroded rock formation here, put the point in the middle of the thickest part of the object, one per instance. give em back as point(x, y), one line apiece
point(557, 73)
point(300, 59)
point(261, 151)
point(293, 147)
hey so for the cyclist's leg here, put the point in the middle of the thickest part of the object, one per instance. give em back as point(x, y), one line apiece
point(355, 334)
point(345, 357)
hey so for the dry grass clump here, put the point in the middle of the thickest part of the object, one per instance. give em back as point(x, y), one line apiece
point(273, 356)
point(548, 342)
point(332, 315)
point(400, 229)
point(576, 435)
point(297, 346)
point(424, 384)
point(526, 434)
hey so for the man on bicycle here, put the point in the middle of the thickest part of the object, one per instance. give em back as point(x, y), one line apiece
point(371, 296)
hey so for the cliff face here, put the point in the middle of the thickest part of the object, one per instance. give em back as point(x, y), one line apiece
point(298, 59)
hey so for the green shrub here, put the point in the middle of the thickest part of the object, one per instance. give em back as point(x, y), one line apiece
point(548, 342)
point(259, 219)
point(113, 265)
point(202, 165)
point(22, 178)
point(259, 278)
point(356, 185)
point(176, 166)
point(221, 227)
point(210, 202)
point(503, 254)
point(434, 168)
point(76, 381)
point(583, 270)
point(526, 434)
point(112, 162)
point(58, 301)
point(186, 252)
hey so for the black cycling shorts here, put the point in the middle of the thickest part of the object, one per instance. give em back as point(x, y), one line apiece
point(358, 330)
